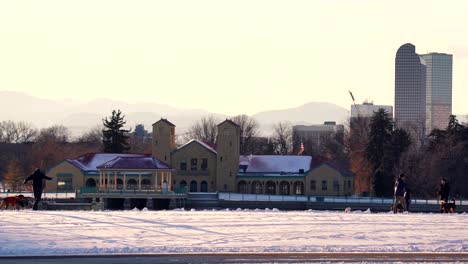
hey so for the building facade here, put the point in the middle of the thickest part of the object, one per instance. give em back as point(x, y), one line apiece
point(438, 90)
point(367, 110)
point(198, 166)
point(410, 90)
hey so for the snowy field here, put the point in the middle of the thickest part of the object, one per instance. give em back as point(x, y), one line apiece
point(85, 232)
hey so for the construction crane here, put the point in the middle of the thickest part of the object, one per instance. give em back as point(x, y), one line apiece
point(354, 102)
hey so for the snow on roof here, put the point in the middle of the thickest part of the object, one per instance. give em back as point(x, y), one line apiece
point(274, 163)
point(142, 163)
point(206, 145)
point(90, 161)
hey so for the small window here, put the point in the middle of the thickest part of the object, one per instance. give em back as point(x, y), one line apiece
point(183, 165)
point(225, 187)
point(204, 164)
point(193, 164)
point(221, 158)
point(64, 184)
point(349, 184)
point(313, 186)
point(324, 185)
point(336, 186)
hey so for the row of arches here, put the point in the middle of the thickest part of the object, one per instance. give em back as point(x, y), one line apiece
point(271, 187)
point(131, 183)
point(194, 186)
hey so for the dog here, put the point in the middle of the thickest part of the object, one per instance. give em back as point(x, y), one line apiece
point(15, 201)
point(448, 207)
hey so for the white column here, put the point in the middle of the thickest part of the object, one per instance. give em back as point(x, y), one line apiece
point(169, 181)
point(115, 180)
point(125, 181)
point(155, 176)
point(139, 181)
point(100, 180)
point(108, 180)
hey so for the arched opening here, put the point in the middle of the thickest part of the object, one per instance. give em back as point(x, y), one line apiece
point(284, 188)
point(132, 184)
point(145, 184)
point(298, 188)
point(119, 184)
point(183, 184)
point(242, 187)
point(203, 186)
point(90, 182)
point(257, 187)
point(270, 187)
point(193, 186)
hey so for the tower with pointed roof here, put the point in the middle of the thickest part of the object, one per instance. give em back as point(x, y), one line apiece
point(163, 140)
point(228, 148)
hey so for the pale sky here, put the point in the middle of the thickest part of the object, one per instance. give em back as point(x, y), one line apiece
point(229, 57)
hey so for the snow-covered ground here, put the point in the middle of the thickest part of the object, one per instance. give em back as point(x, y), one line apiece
point(86, 232)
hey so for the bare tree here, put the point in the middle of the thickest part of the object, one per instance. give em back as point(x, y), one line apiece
point(14, 176)
point(249, 131)
point(204, 129)
point(56, 133)
point(16, 133)
point(283, 138)
point(92, 138)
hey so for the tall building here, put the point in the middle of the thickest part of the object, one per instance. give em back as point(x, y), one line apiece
point(438, 90)
point(367, 109)
point(317, 135)
point(410, 90)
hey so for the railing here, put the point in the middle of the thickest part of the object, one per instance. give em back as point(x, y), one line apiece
point(326, 199)
point(45, 195)
point(145, 189)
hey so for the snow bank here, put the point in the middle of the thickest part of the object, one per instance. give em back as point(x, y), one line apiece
point(83, 232)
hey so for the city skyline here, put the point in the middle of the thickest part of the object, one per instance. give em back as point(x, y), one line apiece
point(223, 57)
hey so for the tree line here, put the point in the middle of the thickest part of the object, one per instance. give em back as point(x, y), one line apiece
point(372, 148)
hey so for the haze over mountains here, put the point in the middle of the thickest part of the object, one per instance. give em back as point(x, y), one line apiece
point(80, 117)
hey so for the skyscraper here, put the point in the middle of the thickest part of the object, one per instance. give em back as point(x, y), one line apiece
point(438, 90)
point(410, 90)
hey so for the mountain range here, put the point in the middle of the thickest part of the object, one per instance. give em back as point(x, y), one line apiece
point(80, 117)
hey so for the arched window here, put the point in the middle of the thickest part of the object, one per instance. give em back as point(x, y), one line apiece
point(90, 182)
point(257, 187)
point(132, 184)
point(183, 184)
point(242, 187)
point(203, 186)
point(119, 184)
point(284, 188)
point(270, 187)
point(298, 188)
point(193, 186)
point(145, 184)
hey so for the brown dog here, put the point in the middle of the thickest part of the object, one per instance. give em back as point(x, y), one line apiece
point(14, 201)
point(449, 207)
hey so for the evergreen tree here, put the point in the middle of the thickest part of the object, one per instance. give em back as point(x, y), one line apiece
point(381, 127)
point(383, 151)
point(114, 137)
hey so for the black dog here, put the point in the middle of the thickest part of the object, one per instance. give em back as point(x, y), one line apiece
point(448, 207)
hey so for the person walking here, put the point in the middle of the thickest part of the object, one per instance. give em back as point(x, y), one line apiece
point(444, 191)
point(37, 177)
point(399, 193)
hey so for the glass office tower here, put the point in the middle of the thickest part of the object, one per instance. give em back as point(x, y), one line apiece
point(438, 90)
point(410, 91)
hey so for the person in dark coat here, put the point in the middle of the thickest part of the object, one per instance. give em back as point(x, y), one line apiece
point(399, 193)
point(37, 177)
point(444, 191)
point(407, 198)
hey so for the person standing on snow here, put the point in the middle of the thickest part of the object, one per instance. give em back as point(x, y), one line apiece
point(37, 177)
point(444, 191)
point(399, 193)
